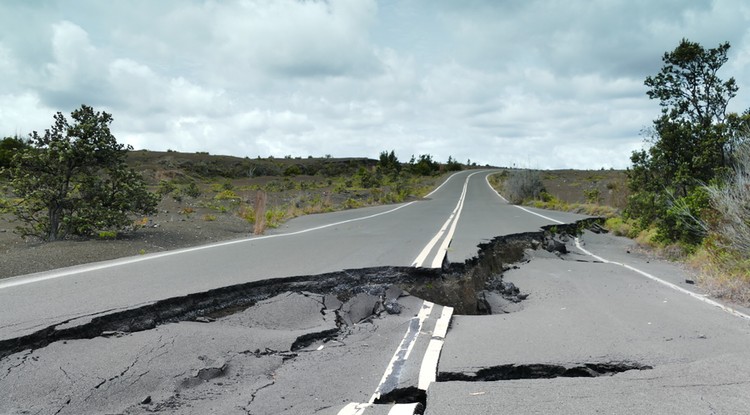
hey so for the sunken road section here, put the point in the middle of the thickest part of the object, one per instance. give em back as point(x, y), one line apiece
point(362, 292)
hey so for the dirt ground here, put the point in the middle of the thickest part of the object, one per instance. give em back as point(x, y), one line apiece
point(166, 230)
point(173, 228)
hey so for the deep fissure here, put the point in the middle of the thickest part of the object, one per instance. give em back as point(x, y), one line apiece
point(463, 286)
point(407, 395)
point(541, 371)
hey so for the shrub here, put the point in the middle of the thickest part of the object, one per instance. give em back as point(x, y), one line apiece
point(228, 195)
point(622, 227)
point(247, 213)
point(274, 217)
point(192, 190)
point(107, 234)
point(523, 185)
point(592, 195)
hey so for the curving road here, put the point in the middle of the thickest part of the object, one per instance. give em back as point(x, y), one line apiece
point(653, 343)
point(393, 235)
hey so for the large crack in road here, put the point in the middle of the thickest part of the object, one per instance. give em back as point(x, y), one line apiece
point(298, 314)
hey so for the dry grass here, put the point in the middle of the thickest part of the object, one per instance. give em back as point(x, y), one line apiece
point(260, 212)
point(724, 258)
point(722, 276)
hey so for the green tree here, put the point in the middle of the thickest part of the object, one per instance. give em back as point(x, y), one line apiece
point(453, 165)
point(73, 180)
point(9, 146)
point(690, 143)
point(389, 163)
point(424, 166)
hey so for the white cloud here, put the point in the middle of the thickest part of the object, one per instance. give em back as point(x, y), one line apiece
point(545, 83)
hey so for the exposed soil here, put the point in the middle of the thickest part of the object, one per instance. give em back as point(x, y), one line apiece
point(166, 230)
point(294, 186)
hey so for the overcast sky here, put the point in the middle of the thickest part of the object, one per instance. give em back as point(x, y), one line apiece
point(540, 84)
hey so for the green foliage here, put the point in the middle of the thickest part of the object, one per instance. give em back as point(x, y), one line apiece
point(293, 170)
point(227, 195)
point(691, 142)
point(682, 219)
point(367, 179)
point(453, 165)
point(9, 146)
point(192, 190)
point(622, 227)
point(352, 204)
point(73, 180)
point(592, 195)
point(107, 235)
point(388, 163)
point(275, 217)
point(166, 187)
point(424, 165)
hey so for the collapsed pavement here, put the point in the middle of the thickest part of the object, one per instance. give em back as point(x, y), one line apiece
point(255, 330)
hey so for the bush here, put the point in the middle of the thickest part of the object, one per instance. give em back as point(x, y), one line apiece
point(682, 220)
point(166, 187)
point(192, 190)
point(622, 227)
point(523, 185)
point(228, 195)
point(730, 227)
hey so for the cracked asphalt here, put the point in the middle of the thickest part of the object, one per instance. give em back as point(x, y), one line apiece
point(328, 317)
point(581, 311)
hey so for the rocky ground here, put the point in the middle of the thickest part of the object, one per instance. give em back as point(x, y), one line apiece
point(166, 230)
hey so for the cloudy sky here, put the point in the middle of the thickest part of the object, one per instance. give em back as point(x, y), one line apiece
point(535, 83)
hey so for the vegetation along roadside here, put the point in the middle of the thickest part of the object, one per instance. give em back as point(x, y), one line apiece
point(74, 195)
point(687, 194)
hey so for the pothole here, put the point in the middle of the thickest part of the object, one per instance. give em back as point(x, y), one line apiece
point(473, 287)
point(541, 371)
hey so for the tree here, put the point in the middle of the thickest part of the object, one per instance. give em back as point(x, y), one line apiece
point(691, 141)
point(389, 163)
point(424, 166)
point(73, 180)
point(8, 147)
point(453, 165)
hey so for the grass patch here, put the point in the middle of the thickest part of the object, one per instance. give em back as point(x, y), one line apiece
point(722, 273)
point(107, 235)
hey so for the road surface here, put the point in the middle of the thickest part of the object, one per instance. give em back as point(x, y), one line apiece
point(373, 351)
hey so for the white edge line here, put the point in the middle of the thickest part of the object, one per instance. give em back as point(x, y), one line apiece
point(666, 283)
point(539, 214)
point(354, 408)
point(697, 296)
point(487, 179)
point(424, 312)
point(23, 280)
point(442, 184)
point(428, 370)
point(403, 409)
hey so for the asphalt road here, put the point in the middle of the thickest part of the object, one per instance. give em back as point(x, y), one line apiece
point(386, 235)
point(292, 353)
